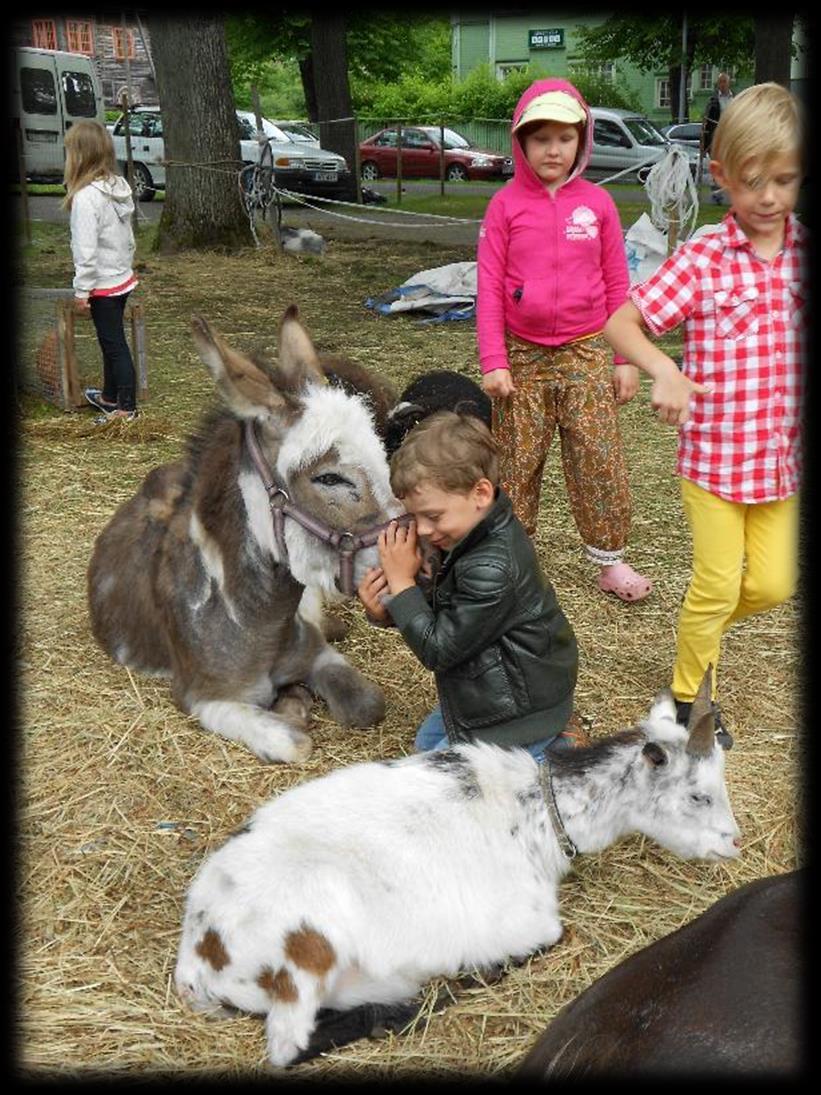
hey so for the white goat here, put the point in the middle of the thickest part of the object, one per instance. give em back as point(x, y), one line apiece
point(358, 887)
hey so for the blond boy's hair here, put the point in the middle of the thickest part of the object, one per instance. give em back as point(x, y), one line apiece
point(89, 155)
point(451, 451)
point(761, 124)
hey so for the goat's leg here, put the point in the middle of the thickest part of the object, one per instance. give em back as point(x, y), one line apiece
point(351, 698)
point(335, 1029)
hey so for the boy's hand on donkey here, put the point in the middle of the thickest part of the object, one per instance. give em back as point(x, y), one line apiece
point(399, 555)
point(370, 589)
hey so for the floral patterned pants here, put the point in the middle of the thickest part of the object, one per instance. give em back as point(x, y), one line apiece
point(569, 387)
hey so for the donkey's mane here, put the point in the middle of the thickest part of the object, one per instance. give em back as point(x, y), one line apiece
point(215, 421)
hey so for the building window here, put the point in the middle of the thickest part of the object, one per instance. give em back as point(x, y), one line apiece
point(605, 71)
point(663, 94)
point(123, 43)
point(80, 37)
point(706, 78)
point(44, 34)
point(504, 68)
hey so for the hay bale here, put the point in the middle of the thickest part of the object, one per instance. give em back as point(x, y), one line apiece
point(121, 795)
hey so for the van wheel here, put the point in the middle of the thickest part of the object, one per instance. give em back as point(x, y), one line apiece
point(143, 184)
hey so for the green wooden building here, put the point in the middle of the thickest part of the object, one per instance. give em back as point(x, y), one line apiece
point(548, 39)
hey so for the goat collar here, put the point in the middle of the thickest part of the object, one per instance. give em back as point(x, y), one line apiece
point(546, 783)
point(345, 543)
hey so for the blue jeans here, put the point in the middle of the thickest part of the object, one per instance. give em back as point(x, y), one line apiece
point(431, 735)
point(119, 377)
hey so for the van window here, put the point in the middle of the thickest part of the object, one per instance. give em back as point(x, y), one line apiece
point(644, 131)
point(79, 95)
point(609, 134)
point(38, 91)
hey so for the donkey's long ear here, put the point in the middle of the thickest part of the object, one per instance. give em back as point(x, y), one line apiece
point(298, 360)
point(246, 388)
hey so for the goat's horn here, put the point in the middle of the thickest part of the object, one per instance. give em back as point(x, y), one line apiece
point(701, 724)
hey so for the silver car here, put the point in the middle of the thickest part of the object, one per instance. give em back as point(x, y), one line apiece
point(298, 166)
point(623, 139)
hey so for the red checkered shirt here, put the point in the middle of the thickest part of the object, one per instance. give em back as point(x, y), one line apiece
point(745, 335)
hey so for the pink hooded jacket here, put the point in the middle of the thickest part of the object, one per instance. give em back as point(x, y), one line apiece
point(551, 267)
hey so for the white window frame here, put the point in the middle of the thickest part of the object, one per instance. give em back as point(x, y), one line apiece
point(504, 68)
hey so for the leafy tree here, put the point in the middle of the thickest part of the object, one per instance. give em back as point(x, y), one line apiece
point(651, 43)
point(381, 48)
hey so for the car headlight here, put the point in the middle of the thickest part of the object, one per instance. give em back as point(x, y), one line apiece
point(288, 161)
point(481, 161)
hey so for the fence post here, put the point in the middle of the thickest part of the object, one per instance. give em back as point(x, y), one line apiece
point(442, 158)
point(399, 163)
point(21, 170)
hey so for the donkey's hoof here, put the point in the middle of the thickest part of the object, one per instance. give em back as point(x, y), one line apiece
point(297, 748)
point(366, 708)
point(334, 629)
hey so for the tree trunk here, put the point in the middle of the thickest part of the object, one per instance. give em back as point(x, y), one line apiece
point(202, 209)
point(306, 72)
point(773, 48)
point(329, 55)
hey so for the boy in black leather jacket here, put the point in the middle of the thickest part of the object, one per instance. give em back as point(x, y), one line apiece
point(503, 654)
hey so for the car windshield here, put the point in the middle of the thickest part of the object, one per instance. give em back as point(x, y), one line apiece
point(296, 132)
point(452, 138)
point(644, 131)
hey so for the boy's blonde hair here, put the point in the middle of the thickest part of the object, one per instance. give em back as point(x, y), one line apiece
point(451, 451)
point(761, 124)
point(89, 155)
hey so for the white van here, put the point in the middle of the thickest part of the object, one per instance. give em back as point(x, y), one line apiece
point(623, 139)
point(52, 89)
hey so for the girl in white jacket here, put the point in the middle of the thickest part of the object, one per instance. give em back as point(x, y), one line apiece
point(102, 246)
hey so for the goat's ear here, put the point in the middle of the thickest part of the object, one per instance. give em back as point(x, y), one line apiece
point(298, 359)
point(701, 724)
point(654, 754)
point(245, 387)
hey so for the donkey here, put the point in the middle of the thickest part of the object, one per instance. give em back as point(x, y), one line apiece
point(199, 576)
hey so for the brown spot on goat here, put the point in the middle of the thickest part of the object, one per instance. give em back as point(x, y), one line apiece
point(210, 948)
point(310, 950)
point(280, 984)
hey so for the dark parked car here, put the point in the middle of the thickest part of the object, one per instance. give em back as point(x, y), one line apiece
point(421, 156)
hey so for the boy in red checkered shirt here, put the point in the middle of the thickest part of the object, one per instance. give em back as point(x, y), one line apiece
point(740, 291)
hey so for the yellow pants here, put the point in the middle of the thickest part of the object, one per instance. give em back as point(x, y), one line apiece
point(722, 590)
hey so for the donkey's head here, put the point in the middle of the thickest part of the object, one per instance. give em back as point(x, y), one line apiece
point(319, 443)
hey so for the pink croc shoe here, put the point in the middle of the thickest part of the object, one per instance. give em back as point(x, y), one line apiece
point(624, 582)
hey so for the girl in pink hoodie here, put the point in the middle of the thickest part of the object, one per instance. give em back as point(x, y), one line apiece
point(551, 270)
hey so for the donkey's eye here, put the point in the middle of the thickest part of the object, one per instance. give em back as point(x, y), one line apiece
point(701, 800)
point(331, 479)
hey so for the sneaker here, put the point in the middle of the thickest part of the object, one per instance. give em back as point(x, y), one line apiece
point(116, 416)
point(94, 396)
point(723, 735)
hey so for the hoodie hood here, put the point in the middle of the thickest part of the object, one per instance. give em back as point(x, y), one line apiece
point(522, 171)
point(117, 190)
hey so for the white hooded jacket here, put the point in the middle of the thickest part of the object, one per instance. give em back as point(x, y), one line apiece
point(102, 239)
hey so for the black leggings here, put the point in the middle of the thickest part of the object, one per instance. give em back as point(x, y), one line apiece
point(119, 377)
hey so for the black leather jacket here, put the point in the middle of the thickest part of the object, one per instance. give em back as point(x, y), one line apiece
point(504, 655)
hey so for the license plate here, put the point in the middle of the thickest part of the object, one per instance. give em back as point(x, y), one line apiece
point(325, 176)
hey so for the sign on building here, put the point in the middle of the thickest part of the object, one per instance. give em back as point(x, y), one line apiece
point(546, 39)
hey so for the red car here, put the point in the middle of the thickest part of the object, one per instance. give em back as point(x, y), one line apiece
point(420, 156)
